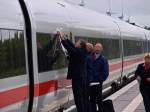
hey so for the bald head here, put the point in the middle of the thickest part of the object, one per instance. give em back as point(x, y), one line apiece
point(89, 47)
point(98, 48)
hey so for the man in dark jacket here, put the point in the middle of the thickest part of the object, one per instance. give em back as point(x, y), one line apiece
point(101, 71)
point(143, 76)
point(77, 71)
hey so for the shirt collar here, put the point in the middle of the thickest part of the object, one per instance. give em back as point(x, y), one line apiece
point(146, 67)
point(97, 55)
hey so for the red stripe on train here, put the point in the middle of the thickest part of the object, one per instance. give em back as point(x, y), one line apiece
point(13, 96)
point(19, 94)
point(116, 66)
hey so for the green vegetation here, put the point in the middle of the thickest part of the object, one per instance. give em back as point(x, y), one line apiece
point(146, 27)
point(55, 58)
point(12, 54)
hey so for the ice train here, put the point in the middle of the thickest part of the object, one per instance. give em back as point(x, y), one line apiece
point(33, 66)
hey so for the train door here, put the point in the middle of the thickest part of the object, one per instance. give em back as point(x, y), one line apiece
point(51, 67)
point(146, 43)
point(122, 59)
point(121, 49)
point(14, 63)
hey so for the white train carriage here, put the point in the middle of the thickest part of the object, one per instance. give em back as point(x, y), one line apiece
point(33, 66)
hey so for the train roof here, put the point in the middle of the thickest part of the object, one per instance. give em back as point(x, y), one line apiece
point(49, 15)
point(81, 21)
point(147, 33)
point(93, 24)
point(129, 31)
point(104, 23)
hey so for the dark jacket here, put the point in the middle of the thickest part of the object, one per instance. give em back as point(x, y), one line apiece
point(77, 59)
point(101, 69)
point(140, 71)
point(89, 66)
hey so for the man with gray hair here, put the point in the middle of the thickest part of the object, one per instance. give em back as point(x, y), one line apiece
point(100, 74)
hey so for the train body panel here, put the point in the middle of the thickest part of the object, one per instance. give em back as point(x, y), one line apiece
point(54, 87)
point(13, 56)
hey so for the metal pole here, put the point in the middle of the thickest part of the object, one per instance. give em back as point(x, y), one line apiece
point(122, 50)
point(109, 5)
point(122, 8)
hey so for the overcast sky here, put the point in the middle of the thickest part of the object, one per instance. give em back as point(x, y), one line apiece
point(137, 10)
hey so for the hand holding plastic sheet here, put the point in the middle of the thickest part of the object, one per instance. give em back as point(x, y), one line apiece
point(61, 36)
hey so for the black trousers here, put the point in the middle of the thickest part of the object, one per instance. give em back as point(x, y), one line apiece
point(81, 95)
point(145, 91)
point(96, 98)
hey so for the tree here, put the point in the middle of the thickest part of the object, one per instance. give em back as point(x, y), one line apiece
point(146, 27)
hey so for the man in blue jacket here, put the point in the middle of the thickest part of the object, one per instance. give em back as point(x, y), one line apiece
point(101, 72)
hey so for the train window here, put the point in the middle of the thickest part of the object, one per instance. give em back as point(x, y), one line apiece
point(111, 46)
point(50, 54)
point(149, 46)
point(132, 47)
point(12, 53)
point(145, 46)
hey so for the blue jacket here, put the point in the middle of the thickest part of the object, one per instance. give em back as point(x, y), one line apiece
point(100, 69)
point(89, 67)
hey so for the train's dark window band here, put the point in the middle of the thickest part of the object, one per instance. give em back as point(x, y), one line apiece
point(133, 47)
point(50, 54)
point(12, 53)
point(145, 46)
point(149, 46)
point(111, 46)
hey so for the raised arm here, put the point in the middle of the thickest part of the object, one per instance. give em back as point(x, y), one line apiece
point(68, 45)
